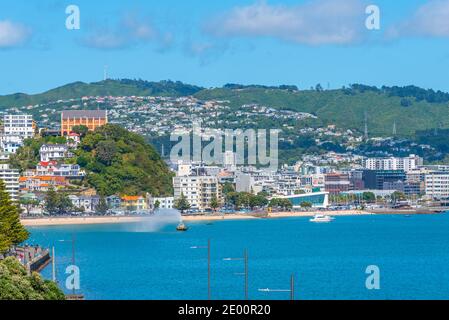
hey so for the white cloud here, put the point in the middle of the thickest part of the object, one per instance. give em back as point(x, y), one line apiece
point(312, 23)
point(129, 32)
point(13, 34)
point(431, 19)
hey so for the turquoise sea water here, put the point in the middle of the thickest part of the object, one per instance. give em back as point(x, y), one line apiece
point(125, 261)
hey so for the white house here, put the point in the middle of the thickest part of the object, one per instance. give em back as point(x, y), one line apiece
point(49, 152)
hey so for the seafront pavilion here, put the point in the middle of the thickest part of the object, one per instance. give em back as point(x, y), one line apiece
point(317, 199)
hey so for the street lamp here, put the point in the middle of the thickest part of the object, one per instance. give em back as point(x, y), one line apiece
point(291, 290)
point(208, 266)
point(245, 259)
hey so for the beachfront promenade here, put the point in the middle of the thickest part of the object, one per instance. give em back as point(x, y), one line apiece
point(54, 221)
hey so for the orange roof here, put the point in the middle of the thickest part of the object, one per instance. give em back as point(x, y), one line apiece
point(23, 179)
point(131, 198)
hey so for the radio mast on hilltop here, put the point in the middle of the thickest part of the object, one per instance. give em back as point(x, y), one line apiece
point(366, 126)
point(105, 73)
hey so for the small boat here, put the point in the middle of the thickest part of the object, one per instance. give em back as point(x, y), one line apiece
point(319, 218)
point(182, 227)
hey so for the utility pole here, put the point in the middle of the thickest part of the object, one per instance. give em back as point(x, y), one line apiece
point(209, 290)
point(245, 274)
point(291, 290)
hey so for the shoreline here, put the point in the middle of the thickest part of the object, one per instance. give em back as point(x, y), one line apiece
point(60, 221)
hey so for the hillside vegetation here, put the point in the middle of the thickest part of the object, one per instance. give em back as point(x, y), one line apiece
point(121, 162)
point(411, 108)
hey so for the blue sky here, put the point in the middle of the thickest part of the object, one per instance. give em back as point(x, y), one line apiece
point(210, 43)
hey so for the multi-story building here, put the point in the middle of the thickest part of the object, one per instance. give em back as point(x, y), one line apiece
point(382, 179)
point(437, 185)
point(21, 125)
point(134, 203)
point(87, 203)
point(393, 163)
point(10, 144)
point(317, 199)
point(52, 168)
point(199, 190)
point(164, 203)
point(92, 119)
point(336, 183)
point(49, 152)
point(10, 178)
point(41, 183)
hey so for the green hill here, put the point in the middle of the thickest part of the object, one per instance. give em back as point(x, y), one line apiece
point(346, 107)
point(411, 108)
point(124, 87)
point(121, 162)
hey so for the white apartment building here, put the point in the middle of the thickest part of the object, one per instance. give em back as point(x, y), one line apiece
point(437, 185)
point(199, 190)
point(164, 203)
point(50, 152)
point(10, 144)
point(393, 163)
point(11, 179)
point(18, 125)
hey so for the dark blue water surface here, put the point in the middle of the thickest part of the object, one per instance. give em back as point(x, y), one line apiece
point(122, 261)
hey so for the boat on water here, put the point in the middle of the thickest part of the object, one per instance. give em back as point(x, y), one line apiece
point(320, 218)
point(182, 227)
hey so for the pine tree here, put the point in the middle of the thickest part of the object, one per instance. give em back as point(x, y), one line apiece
point(182, 204)
point(12, 232)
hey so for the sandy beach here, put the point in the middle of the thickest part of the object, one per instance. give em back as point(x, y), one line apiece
point(57, 221)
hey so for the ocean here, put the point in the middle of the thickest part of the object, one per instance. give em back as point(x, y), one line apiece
point(329, 261)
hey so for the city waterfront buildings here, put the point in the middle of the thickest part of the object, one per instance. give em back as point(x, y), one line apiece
point(394, 163)
point(199, 190)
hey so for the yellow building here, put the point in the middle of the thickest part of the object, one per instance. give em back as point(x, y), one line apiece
point(92, 119)
point(133, 203)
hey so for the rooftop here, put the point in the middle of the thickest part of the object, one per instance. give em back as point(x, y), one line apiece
point(84, 114)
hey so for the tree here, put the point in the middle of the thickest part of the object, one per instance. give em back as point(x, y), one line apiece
point(306, 205)
point(12, 232)
point(257, 201)
point(64, 204)
point(51, 202)
point(157, 205)
point(182, 204)
point(102, 206)
point(214, 203)
point(81, 130)
point(28, 204)
point(16, 284)
point(57, 203)
point(106, 151)
point(369, 197)
point(228, 188)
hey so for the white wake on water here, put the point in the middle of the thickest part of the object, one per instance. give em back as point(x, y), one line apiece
point(160, 219)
